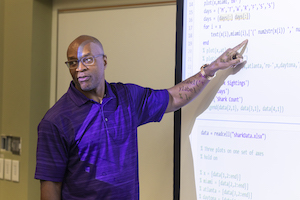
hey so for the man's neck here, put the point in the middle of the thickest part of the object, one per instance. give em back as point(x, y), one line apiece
point(95, 94)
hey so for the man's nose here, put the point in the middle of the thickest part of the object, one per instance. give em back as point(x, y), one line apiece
point(81, 67)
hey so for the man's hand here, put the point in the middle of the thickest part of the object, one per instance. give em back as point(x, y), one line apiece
point(230, 58)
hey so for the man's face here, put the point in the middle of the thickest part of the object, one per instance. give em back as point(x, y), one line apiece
point(87, 78)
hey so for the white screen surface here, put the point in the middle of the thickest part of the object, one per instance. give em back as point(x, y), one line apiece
point(245, 144)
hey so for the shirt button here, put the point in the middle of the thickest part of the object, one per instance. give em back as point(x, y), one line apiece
point(106, 119)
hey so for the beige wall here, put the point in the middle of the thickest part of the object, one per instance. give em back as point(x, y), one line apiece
point(142, 53)
point(26, 37)
point(59, 5)
point(1, 56)
point(27, 74)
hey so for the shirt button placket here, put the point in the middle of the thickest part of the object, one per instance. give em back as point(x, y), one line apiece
point(106, 120)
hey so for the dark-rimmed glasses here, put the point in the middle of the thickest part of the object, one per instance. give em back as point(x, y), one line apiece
point(86, 61)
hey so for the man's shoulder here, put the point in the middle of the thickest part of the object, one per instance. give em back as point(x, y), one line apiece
point(62, 106)
point(134, 89)
point(67, 105)
point(119, 86)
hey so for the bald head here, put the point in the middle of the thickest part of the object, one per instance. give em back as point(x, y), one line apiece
point(88, 78)
point(81, 41)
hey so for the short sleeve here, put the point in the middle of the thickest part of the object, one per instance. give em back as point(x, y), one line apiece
point(51, 156)
point(149, 104)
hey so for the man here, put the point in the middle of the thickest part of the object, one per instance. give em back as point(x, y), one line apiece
point(87, 142)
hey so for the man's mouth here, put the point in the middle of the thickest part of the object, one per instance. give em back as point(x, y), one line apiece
point(83, 78)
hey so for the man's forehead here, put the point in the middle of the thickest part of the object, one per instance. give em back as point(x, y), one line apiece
point(79, 47)
point(86, 43)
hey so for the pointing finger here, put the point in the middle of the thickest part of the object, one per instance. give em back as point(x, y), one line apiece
point(244, 43)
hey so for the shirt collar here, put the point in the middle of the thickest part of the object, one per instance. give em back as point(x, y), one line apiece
point(79, 99)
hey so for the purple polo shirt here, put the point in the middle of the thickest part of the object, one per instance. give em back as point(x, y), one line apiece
point(92, 148)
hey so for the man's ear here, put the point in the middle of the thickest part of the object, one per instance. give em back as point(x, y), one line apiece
point(105, 61)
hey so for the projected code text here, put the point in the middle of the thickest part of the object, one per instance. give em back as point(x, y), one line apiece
point(243, 144)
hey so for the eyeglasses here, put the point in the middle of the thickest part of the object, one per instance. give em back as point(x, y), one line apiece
point(86, 61)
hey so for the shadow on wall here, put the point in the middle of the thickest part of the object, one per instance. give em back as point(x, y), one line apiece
point(189, 115)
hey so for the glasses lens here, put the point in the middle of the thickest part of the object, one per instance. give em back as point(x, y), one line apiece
point(72, 64)
point(88, 60)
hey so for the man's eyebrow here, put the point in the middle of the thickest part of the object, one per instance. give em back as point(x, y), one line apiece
point(75, 58)
point(85, 55)
point(72, 58)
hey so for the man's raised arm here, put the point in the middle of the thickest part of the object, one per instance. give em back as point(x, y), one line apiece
point(184, 92)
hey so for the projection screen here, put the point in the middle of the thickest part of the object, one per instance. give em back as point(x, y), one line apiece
point(241, 138)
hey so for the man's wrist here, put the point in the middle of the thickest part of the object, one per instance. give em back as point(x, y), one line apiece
point(204, 74)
